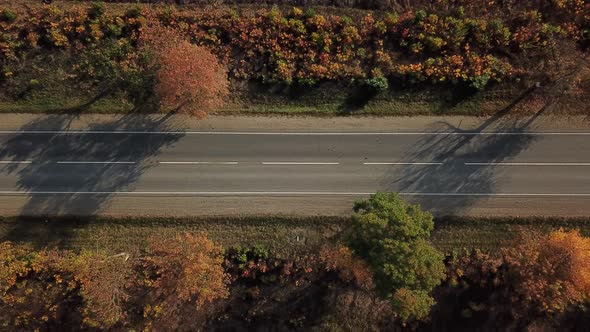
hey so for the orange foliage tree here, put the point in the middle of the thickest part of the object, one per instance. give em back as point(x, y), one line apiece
point(349, 267)
point(550, 272)
point(189, 78)
point(185, 269)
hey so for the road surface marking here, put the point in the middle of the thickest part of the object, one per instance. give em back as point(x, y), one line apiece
point(402, 163)
point(95, 162)
point(285, 193)
point(453, 133)
point(295, 163)
point(198, 162)
point(527, 164)
point(15, 162)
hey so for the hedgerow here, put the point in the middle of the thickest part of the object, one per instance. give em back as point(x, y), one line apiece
point(273, 45)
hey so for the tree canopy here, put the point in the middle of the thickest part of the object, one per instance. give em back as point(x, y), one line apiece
point(550, 272)
point(392, 236)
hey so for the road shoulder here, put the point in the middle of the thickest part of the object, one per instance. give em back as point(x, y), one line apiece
point(162, 122)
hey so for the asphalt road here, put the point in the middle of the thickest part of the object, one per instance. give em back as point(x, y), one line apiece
point(45, 172)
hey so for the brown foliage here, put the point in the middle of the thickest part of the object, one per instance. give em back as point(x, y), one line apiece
point(186, 269)
point(552, 271)
point(357, 310)
point(104, 285)
point(59, 290)
point(52, 287)
point(475, 268)
point(350, 269)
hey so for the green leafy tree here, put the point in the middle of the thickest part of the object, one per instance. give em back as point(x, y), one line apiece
point(391, 236)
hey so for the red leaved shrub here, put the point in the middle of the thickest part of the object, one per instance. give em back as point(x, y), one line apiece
point(189, 78)
point(349, 268)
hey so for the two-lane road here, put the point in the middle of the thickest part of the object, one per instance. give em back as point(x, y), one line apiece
point(47, 172)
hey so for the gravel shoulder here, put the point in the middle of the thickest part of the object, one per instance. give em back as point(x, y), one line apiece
point(122, 206)
point(285, 123)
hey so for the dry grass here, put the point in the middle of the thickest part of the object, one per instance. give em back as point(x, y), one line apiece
point(286, 236)
point(283, 235)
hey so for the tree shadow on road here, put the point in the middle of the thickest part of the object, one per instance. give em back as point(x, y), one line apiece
point(452, 150)
point(84, 188)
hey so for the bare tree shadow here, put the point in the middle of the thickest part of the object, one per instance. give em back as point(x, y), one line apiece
point(83, 189)
point(455, 148)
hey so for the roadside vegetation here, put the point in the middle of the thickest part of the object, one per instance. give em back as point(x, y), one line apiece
point(388, 267)
point(283, 235)
point(425, 58)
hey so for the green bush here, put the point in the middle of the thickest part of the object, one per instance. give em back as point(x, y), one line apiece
point(480, 82)
point(260, 252)
point(241, 256)
point(420, 15)
point(96, 10)
point(117, 66)
point(377, 84)
point(6, 15)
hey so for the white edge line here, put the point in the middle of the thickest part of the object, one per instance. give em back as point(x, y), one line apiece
point(295, 163)
point(402, 163)
point(198, 162)
point(282, 193)
point(66, 132)
point(95, 162)
point(527, 164)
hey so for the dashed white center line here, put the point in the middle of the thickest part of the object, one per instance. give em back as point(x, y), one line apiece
point(402, 163)
point(295, 163)
point(198, 162)
point(15, 161)
point(527, 164)
point(95, 162)
point(286, 193)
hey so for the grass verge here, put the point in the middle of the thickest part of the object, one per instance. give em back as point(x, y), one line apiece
point(284, 235)
point(54, 95)
point(489, 234)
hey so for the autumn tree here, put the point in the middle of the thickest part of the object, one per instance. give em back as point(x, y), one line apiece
point(53, 289)
point(37, 290)
point(349, 267)
point(104, 285)
point(189, 78)
point(550, 272)
point(391, 236)
point(182, 275)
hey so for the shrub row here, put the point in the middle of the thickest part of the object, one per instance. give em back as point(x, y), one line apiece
point(302, 46)
point(549, 6)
